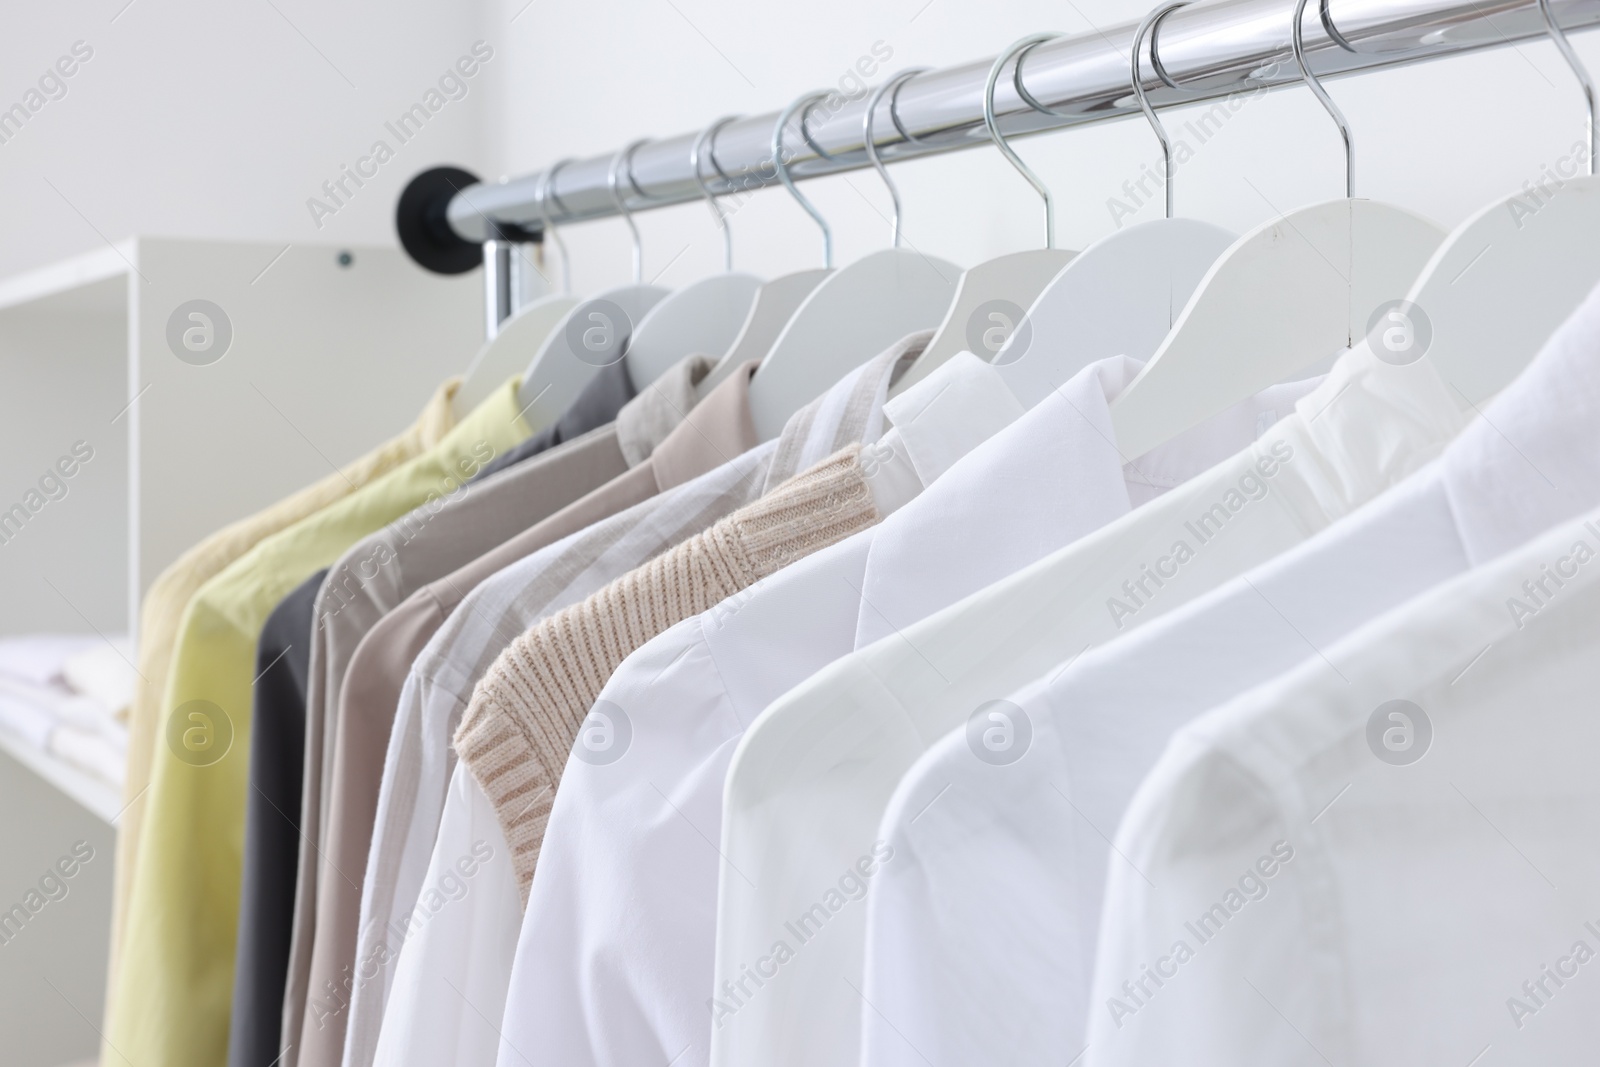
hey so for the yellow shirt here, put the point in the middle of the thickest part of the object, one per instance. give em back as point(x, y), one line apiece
point(175, 975)
point(171, 592)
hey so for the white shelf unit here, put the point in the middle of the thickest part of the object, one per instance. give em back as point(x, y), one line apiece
point(327, 359)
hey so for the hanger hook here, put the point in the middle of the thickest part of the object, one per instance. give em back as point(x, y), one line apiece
point(1146, 28)
point(710, 134)
point(1565, 47)
point(1321, 94)
point(872, 145)
point(542, 193)
point(626, 155)
point(1019, 49)
point(782, 166)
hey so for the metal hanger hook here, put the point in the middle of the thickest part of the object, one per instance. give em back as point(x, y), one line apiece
point(781, 165)
point(710, 135)
point(1147, 28)
point(1298, 38)
point(542, 193)
point(872, 145)
point(1018, 50)
point(1559, 36)
point(626, 156)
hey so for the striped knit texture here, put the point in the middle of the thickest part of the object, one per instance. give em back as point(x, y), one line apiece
point(526, 711)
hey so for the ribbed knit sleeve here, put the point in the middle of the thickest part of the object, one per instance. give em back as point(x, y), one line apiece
point(526, 711)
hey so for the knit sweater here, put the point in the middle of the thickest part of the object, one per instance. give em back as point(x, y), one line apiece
point(526, 711)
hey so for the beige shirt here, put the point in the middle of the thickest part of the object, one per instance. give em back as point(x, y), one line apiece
point(375, 576)
point(718, 428)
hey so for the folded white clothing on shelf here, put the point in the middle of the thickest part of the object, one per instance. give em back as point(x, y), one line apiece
point(38, 658)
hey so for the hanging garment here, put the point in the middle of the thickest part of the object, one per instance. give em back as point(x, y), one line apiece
point(176, 977)
point(595, 406)
point(418, 1026)
point(626, 886)
point(526, 710)
point(373, 577)
point(575, 537)
point(1385, 856)
point(817, 769)
point(271, 826)
point(419, 761)
point(170, 593)
point(953, 978)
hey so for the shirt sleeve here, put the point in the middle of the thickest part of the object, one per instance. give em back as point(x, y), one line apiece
point(454, 958)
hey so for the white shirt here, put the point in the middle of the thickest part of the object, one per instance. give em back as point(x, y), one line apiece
point(1386, 856)
point(953, 977)
point(812, 777)
point(615, 960)
point(424, 1021)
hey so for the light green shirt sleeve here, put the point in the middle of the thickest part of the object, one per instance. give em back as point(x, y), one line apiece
point(175, 976)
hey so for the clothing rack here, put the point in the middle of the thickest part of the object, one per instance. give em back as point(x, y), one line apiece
point(1203, 52)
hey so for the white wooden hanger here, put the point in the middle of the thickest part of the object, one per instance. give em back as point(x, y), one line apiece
point(775, 301)
point(593, 334)
point(851, 316)
point(1119, 296)
point(1504, 279)
point(508, 352)
point(775, 304)
point(990, 296)
point(701, 318)
point(1282, 297)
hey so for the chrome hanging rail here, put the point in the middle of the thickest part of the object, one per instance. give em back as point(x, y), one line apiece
point(1202, 51)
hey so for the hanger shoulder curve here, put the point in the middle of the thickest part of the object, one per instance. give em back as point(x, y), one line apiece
point(1503, 281)
point(1118, 297)
point(775, 304)
point(1287, 294)
point(509, 351)
point(591, 335)
point(702, 317)
point(990, 302)
point(851, 316)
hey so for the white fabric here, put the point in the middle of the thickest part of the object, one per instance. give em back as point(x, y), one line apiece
point(38, 658)
point(103, 672)
point(952, 977)
point(812, 777)
point(615, 961)
point(444, 680)
point(1308, 902)
point(455, 908)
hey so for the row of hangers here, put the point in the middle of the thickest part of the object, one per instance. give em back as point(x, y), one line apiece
point(1217, 317)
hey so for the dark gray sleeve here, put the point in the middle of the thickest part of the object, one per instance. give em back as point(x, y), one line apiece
point(272, 827)
point(597, 405)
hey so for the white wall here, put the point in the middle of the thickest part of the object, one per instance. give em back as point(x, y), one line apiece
point(204, 119)
point(1442, 138)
